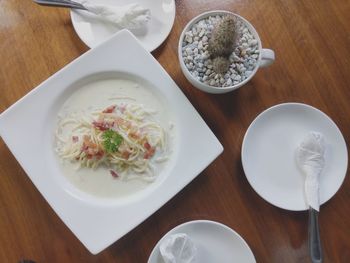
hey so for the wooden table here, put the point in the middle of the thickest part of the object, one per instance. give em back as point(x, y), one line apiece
point(311, 39)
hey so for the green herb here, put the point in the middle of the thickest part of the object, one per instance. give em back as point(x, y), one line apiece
point(111, 141)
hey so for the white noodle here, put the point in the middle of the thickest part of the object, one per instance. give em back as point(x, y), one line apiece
point(131, 160)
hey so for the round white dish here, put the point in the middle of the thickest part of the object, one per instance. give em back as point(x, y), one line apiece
point(93, 31)
point(268, 154)
point(215, 242)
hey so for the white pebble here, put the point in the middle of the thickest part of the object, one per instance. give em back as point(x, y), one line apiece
point(200, 45)
point(229, 82)
point(252, 42)
point(204, 57)
point(237, 78)
point(208, 72)
point(188, 39)
point(247, 73)
point(236, 58)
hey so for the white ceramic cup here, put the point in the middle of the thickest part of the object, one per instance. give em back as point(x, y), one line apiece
point(266, 56)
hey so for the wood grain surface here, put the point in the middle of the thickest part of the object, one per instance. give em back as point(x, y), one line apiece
point(311, 39)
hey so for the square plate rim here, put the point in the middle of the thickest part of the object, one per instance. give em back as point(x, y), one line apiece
point(18, 107)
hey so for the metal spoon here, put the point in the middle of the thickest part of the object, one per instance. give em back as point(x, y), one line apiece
point(311, 161)
point(61, 3)
point(315, 247)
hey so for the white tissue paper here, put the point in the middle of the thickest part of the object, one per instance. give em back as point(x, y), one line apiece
point(310, 158)
point(178, 248)
point(131, 16)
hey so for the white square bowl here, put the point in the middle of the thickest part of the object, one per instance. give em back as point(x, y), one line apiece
point(27, 128)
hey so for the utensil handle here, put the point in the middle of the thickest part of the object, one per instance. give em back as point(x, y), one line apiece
point(60, 3)
point(267, 57)
point(314, 237)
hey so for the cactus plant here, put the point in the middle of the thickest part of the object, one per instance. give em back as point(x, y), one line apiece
point(222, 43)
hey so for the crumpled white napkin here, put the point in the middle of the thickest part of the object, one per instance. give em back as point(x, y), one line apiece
point(178, 248)
point(311, 161)
point(130, 16)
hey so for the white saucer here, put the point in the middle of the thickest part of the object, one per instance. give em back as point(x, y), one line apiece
point(215, 242)
point(93, 31)
point(268, 154)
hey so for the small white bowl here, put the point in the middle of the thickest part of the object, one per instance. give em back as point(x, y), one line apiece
point(266, 56)
point(215, 242)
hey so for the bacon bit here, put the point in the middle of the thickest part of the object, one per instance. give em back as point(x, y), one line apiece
point(134, 135)
point(91, 149)
point(119, 121)
point(150, 150)
point(109, 109)
point(114, 174)
point(99, 154)
point(126, 154)
point(102, 125)
point(75, 139)
point(147, 146)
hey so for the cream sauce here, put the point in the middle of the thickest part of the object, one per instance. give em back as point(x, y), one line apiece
point(101, 94)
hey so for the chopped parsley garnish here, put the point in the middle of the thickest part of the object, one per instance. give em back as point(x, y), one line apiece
point(111, 141)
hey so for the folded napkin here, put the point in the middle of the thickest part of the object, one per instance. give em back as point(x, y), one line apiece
point(310, 158)
point(131, 16)
point(178, 248)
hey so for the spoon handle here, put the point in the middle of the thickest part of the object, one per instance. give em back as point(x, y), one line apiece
point(61, 3)
point(314, 237)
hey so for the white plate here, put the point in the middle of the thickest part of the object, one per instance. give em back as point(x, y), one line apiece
point(268, 154)
point(93, 31)
point(27, 127)
point(215, 242)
